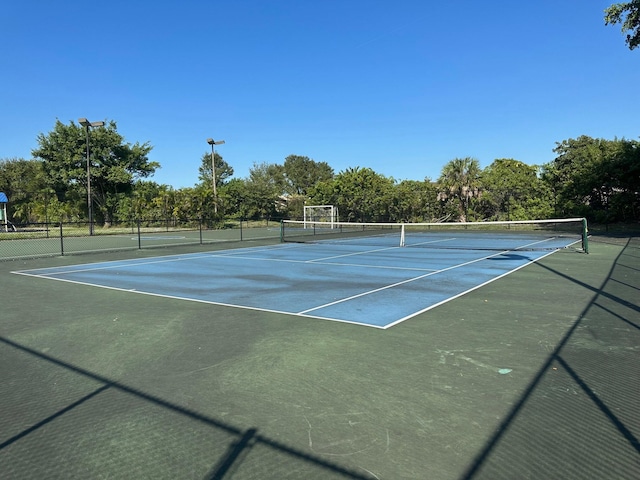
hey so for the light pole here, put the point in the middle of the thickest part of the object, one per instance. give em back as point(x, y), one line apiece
point(211, 142)
point(87, 124)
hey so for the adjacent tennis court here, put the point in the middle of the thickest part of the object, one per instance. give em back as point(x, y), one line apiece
point(347, 279)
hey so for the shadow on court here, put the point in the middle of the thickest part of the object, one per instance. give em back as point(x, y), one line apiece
point(245, 450)
point(579, 417)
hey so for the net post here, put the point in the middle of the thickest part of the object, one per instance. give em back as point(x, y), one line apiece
point(585, 236)
point(282, 231)
point(402, 235)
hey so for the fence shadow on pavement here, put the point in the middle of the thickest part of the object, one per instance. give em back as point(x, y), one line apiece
point(246, 450)
point(580, 415)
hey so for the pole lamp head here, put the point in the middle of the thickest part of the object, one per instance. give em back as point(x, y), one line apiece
point(86, 123)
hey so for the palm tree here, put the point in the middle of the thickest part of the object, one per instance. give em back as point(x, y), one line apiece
point(460, 180)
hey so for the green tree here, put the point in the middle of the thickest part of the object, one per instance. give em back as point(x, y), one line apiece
point(30, 200)
point(414, 201)
point(148, 201)
point(266, 186)
point(628, 14)
point(360, 194)
point(235, 198)
point(224, 171)
point(302, 173)
point(571, 175)
point(597, 178)
point(114, 165)
point(512, 190)
point(460, 182)
point(324, 193)
point(624, 166)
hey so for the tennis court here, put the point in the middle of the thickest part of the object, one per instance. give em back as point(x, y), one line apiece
point(229, 361)
point(352, 281)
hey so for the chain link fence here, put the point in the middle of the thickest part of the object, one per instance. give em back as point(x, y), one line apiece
point(66, 238)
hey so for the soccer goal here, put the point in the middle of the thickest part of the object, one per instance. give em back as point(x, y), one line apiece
point(320, 213)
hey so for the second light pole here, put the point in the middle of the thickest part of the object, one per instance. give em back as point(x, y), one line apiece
point(86, 124)
point(213, 143)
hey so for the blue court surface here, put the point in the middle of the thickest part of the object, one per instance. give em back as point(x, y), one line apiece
point(371, 285)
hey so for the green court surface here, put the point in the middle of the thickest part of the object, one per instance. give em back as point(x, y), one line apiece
point(534, 375)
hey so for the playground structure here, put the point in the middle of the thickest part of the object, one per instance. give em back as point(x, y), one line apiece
point(4, 220)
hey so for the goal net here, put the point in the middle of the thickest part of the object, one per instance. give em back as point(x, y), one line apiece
point(320, 213)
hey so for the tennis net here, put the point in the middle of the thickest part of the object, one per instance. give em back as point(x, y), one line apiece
point(554, 234)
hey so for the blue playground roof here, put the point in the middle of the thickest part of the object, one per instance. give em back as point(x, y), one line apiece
point(3, 198)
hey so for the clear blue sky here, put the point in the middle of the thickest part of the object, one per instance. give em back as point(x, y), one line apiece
point(399, 86)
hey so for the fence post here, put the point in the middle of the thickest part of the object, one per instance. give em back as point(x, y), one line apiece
point(200, 228)
point(139, 237)
point(61, 241)
point(240, 229)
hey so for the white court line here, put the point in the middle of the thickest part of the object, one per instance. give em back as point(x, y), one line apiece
point(91, 268)
point(434, 241)
point(430, 307)
point(400, 283)
point(317, 262)
point(322, 260)
point(304, 313)
point(128, 263)
point(365, 252)
point(197, 300)
point(346, 299)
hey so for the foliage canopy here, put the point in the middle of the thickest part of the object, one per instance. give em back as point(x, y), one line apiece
point(627, 14)
point(113, 167)
point(591, 177)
